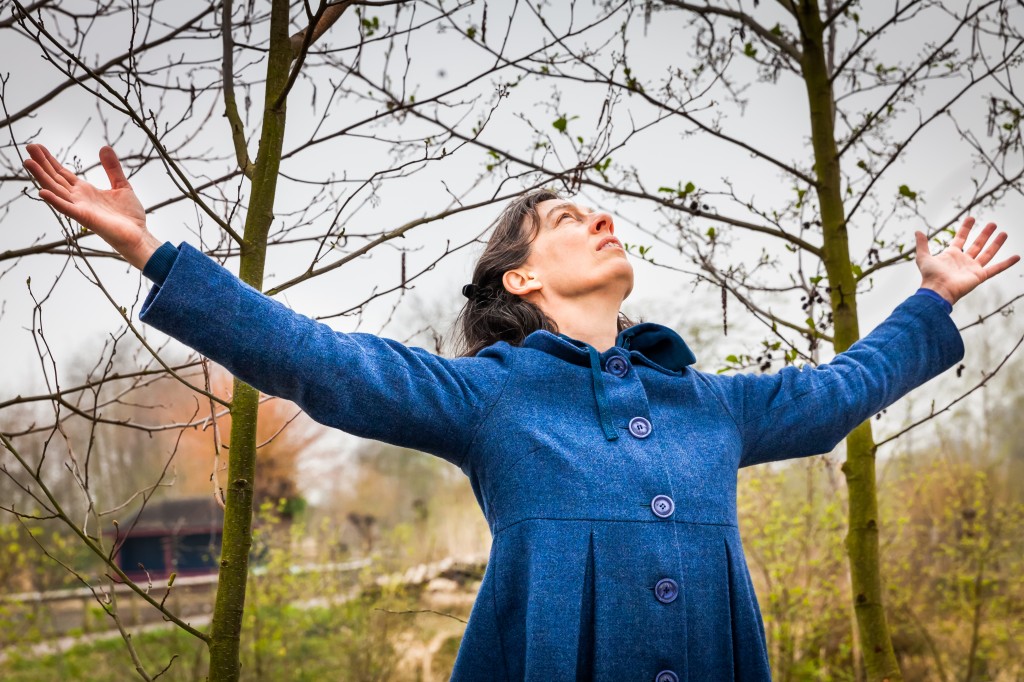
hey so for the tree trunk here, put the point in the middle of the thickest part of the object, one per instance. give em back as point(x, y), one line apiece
point(225, 664)
point(859, 468)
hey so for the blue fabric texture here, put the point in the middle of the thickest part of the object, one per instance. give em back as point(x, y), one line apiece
point(159, 264)
point(931, 293)
point(579, 541)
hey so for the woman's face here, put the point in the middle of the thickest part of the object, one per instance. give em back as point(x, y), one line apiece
point(576, 253)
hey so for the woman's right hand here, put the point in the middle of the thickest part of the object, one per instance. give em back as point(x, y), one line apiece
point(115, 214)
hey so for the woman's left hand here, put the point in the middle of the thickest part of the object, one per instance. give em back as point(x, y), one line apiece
point(955, 272)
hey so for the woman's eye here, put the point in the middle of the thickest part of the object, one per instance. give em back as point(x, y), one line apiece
point(563, 217)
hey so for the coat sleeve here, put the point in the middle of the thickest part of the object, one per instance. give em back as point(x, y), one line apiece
point(359, 383)
point(799, 412)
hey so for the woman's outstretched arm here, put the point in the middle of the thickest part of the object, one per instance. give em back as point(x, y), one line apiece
point(795, 413)
point(359, 383)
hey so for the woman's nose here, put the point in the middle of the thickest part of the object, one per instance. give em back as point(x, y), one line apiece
point(602, 222)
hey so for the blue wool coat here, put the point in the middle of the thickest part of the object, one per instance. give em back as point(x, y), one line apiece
point(608, 479)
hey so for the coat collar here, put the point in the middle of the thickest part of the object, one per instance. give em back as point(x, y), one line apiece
point(651, 344)
point(646, 343)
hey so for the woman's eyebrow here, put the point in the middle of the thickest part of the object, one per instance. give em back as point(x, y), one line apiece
point(560, 207)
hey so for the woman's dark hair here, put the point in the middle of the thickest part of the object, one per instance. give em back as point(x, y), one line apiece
point(492, 313)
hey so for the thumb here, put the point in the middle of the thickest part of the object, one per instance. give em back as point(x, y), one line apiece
point(922, 251)
point(112, 165)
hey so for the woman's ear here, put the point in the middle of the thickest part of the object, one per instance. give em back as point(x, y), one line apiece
point(521, 282)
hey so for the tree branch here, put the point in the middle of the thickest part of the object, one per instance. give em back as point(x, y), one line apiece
point(127, 109)
point(230, 105)
point(909, 79)
point(612, 189)
point(102, 68)
point(837, 13)
point(744, 18)
point(326, 17)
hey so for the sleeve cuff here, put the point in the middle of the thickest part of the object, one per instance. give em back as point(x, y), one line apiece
point(159, 264)
point(932, 294)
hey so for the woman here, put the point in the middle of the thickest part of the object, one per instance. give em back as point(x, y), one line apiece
point(603, 461)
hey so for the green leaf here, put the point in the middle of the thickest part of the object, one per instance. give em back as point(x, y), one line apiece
point(471, 32)
point(371, 25)
point(732, 358)
point(750, 50)
point(857, 272)
point(689, 188)
point(711, 233)
point(908, 193)
point(816, 279)
point(560, 124)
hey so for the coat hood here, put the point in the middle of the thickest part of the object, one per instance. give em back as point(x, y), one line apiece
point(647, 343)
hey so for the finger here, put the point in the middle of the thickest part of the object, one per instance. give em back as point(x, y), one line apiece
point(64, 173)
point(921, 247)
point(112, 165)
point(39, 155)
point(66, 207)
point(45, 159)
point(979, 243)
point(993, 270)
point(961, 236)
point(994, 247)
point(45, 180)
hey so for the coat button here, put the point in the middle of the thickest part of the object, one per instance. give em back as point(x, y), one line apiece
point(617, 366)
point(666, 676)
point(663, 506)
point(666, 590)
point(640, 427)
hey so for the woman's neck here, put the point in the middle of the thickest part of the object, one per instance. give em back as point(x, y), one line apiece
point(593, 320)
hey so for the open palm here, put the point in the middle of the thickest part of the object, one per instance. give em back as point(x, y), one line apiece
point(115, 214)
point(955, 272)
